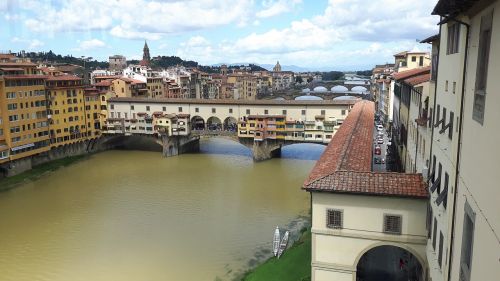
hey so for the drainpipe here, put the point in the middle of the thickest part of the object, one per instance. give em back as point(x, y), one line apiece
point(457, 169)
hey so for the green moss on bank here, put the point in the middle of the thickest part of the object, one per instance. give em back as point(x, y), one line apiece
point(37, 171)
point(294, 264)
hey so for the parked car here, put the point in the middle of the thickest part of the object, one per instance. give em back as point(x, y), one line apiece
point(380, 141)
point(377, 160)
point(383, 161)
point(377, 150)
point(380, 127)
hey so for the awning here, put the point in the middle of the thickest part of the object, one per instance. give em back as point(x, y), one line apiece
point(436, 184)
point(443, 197)
point(23, 146)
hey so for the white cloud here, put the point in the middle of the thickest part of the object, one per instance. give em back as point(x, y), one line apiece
point(29, 44)
point(134, 19)
point(273, 8)
point(91, 44)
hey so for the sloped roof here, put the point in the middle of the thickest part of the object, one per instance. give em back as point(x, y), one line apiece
point(345, 165)
point(410, 73)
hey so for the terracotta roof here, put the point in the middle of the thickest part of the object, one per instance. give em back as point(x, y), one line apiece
point(452, 7)
point(235, 102)
point(410, 73)
point(418, 79)
point(105, 83)
point(369, 183)
point(345, 165)
point(17, 64)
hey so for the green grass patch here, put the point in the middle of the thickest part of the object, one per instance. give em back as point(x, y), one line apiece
point(37, 171)
point(294, 264)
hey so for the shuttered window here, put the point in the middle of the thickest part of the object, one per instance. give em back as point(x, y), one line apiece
point(453, 38)
point(482, 67)
point(392, 224)
point(440, 253)
point(467, 243)
point(434, 232)
point(334, 218)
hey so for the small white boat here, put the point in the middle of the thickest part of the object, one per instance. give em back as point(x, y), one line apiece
point(283, 244)
point(276, 241)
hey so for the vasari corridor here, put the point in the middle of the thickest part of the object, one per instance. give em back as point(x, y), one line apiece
point(249, 140)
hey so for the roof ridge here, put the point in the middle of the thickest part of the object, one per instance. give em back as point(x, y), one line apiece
point(347, 144)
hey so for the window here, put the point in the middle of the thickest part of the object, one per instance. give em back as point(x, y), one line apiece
point(213, 110)
point(429, 221)
point(434, 235)
point(230, 110)
point(454, 87)
point(196, 109)
point(440, 253)
point(453, 38)
point(248, 111)
point(392, 224)
point(303, 112)
point(343, 112)
point(482, 68)
point(147, 108)
point(164, 108)
point(180, 109)
point(467, 242)
point(413, 58)
point(334, 218)
point(323, 112)
point(266, 111)
point(446, 86)
point(421, 61)
point(284, 111)
point(112, 106)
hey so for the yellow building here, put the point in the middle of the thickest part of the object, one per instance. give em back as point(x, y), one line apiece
point(95, 119)
point(126, 87)
point(68, 122)
point(155, 87)
point(23, 115)
point(245, 86)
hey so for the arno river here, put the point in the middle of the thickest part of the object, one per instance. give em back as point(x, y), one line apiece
point(133, 215)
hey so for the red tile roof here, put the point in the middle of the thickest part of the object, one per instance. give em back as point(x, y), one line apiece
point(345, 165)
point(105, 83)
point(370, 183)
point(418, 79)
point(410, 73)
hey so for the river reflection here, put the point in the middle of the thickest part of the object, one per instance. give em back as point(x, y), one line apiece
point(133, 215)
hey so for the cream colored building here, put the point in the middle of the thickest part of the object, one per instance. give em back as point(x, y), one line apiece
point(245, 86)
point(472, 229)
point(364, 223)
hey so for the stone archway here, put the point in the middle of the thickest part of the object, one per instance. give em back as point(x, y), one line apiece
point(230, 124)
point(388, 262)
point(214, 124)
point(197, 123)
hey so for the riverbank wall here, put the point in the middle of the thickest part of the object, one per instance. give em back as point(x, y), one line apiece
point(79, 148)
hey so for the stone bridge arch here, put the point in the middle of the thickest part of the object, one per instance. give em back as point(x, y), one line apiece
point(214, 123)
point(230, 124)
point(197, 123)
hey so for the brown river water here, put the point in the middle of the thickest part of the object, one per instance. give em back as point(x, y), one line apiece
point(134, 215)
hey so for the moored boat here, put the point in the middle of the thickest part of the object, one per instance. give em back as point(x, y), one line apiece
point(283, 244)
point(276, 241)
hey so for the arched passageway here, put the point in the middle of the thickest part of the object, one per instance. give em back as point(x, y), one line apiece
point(197, 123)
point(214, 124)
point(389, 263)
point(230, 124)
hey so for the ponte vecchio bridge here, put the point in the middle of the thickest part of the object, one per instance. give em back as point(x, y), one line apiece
point(264, 126)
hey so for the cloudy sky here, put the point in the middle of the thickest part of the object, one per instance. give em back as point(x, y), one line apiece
point(336, 34)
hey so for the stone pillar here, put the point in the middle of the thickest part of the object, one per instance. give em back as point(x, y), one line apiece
point(266, 149)
point(175, 145)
